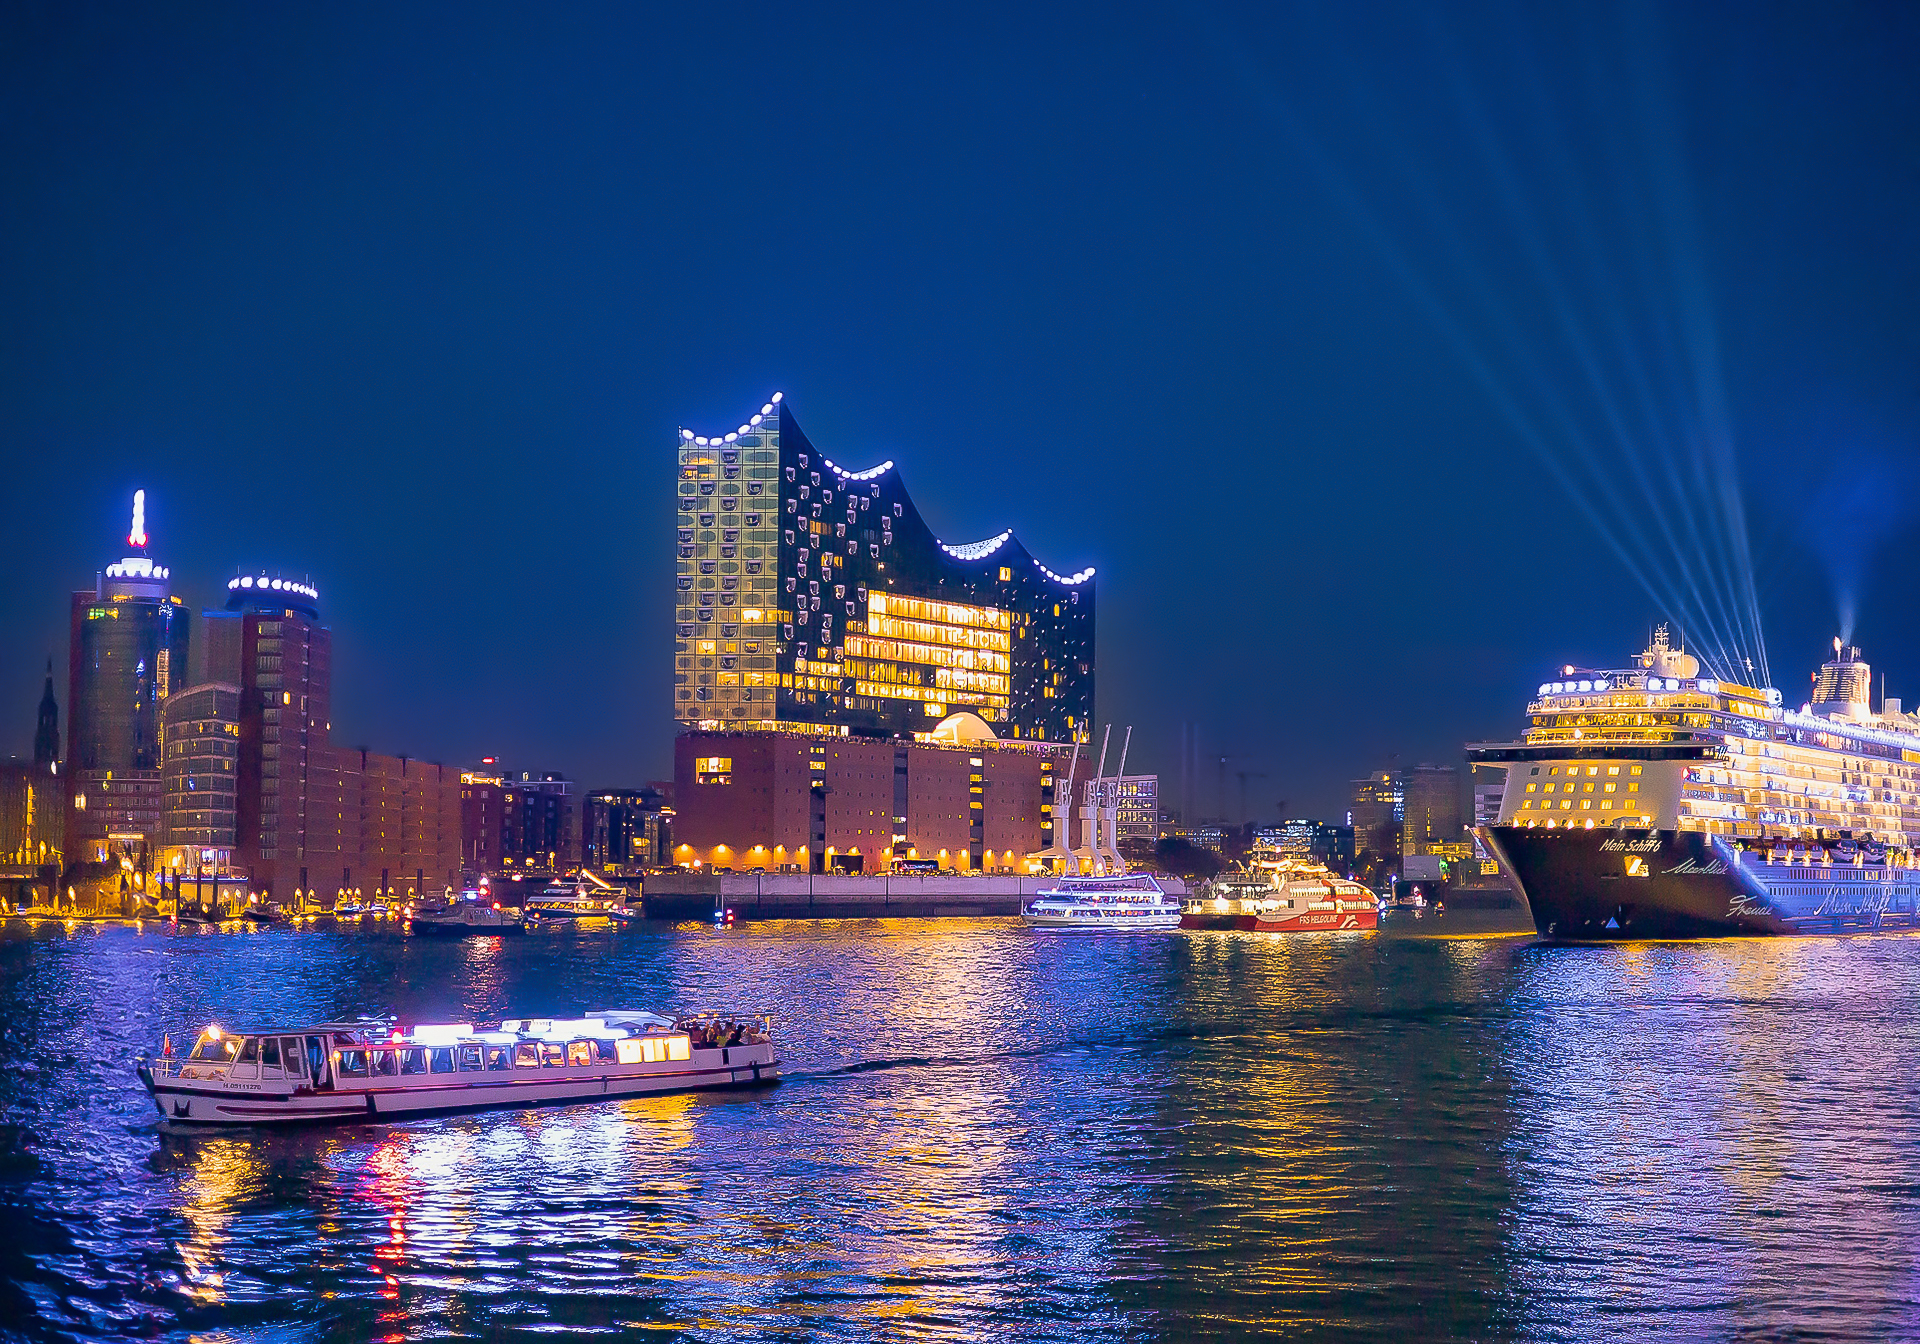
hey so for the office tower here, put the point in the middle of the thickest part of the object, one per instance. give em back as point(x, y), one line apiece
point(128, 651)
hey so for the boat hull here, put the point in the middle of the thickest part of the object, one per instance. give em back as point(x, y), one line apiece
point(1624, 884)
point(455, 928)
point(187, 1104)
point(1287, 921)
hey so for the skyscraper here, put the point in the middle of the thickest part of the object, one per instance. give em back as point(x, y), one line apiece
point(809, 596)
point(128, 651)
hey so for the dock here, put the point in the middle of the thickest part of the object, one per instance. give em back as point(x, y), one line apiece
point(845, 896)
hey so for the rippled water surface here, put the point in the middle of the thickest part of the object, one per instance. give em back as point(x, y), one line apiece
point(987, 1132)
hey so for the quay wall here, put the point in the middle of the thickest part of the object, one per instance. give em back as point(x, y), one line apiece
point(842, 896)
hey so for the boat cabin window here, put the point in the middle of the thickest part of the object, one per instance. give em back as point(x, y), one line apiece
point(604, 1052)
point(215, 1049)
point(440, 1060)
point(386, 1063)
point(250, 1052)
point(499, 1057)
point(553, 1055)
point(580, 1053)
point(292, 1057)
point(413, 1060)
point(527, 1057)
point(470, 1058)
point(353, 1064)
point(270, 1052)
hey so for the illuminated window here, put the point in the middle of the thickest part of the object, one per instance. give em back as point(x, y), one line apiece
point(1593, 769)
point(1527, 806)
point(1566, 803)
point(1611, 787)
point(1586, 804)
point(1613, 769)
point(1606, 804)
point(1554, 771)
point(1636, 769)
point(1633, 788)
point(1589, 788)
point(1531, 787)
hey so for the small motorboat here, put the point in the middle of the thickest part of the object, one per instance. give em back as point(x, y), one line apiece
point(373, 1070)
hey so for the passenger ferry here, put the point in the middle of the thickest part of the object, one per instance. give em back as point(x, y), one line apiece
point(1654, 802)
point(1290, 896)
point(562, 903)
point(370, 1071)
point(1117, 903)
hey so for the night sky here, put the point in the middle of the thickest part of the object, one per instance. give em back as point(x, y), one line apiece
point(1286, 321)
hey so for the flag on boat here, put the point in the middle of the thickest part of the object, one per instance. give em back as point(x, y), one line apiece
point(166, 1045)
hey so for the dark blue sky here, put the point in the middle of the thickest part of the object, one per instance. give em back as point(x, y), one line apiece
point(1233, 304)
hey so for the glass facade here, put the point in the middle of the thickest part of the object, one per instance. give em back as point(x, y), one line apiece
point(201, 775)
point(811, 597)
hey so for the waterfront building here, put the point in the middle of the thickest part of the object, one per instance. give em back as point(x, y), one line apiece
point(1137, 801)
point(32, 817)
point(1378, 816)
point(1333, 845)
point(812, 598)
point(129, 648)
point(481, 793)
point(962, 801)
point(625, 831)
point(1203, 837)
point(314, 821)
point(539, 822)
point(1430, 809)
point(200, 775)
point(33, 798)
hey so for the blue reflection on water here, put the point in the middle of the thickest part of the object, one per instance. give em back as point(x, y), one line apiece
point(984, 1131)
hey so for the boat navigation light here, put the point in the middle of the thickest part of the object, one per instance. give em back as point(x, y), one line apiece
point(213, 1032)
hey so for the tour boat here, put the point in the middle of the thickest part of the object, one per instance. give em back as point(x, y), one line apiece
point(473, 912)
point(372, 1071)
point(1117, 903)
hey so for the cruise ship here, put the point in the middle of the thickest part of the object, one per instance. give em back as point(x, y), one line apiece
point(1656, 802)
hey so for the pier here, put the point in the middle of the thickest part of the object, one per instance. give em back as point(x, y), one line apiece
point(844, 896)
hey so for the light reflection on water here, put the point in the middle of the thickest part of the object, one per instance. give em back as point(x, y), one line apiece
point(986, 1131)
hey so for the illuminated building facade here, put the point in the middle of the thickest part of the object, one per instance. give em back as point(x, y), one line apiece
point(626, 831)
point(813, 598)
point(128, 651)
point(812, 803)
point(1430, 810)
point(1379, 813)
point(200, 775)
point(1137, 817)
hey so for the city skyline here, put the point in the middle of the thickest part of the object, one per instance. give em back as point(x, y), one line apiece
point(447, 409)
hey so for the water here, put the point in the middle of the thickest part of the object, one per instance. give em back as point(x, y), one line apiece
point(987, 1132)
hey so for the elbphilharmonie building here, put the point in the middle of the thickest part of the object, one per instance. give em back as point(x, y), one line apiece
point(810, 596)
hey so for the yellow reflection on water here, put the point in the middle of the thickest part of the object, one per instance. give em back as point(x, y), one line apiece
point(222, 1172)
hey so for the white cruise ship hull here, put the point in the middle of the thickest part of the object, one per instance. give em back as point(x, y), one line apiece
point(189, 1101)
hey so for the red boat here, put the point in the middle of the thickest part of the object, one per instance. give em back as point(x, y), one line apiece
point(1290, 898)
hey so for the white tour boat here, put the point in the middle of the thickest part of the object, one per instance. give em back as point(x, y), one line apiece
point(471, 912)
point(1121, 903)
point(373, 1071)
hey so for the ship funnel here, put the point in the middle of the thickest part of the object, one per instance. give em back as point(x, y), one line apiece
point(1845, 681)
